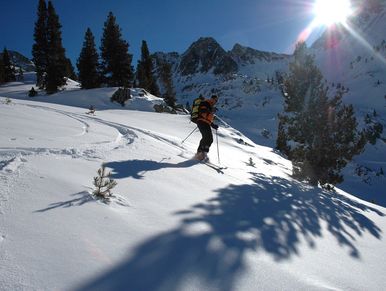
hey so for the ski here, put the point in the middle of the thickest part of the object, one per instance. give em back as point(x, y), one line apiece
point(206, 161)
point(218, 168)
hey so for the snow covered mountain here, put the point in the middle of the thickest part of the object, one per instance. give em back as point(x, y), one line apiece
point(173, 223)
point(353, 58)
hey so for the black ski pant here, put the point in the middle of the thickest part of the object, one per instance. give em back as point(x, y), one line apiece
point(207, 136)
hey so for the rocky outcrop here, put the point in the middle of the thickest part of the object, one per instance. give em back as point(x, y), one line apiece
point(245, 55)
point(206, 55)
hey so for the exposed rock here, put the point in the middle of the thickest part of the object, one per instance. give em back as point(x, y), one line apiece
point(161, 108)
point(246, 55)
point(205, 55)
point(121, 95)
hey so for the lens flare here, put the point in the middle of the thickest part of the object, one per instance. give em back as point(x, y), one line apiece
point(328, 12)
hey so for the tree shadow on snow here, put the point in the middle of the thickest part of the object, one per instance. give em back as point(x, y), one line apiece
point(272, 215)
point(137, 168)
point(84, 197)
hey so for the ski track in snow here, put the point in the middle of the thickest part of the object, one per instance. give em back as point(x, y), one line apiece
point(16, 156)
point(127, 133)
point(12, 158)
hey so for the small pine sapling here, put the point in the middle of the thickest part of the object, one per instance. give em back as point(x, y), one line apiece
point(8, 101)
point(103, 184)
point(32, 92)
point(251, 162)
point(91, 110)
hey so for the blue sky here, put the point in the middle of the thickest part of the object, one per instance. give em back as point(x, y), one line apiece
point(167, 25)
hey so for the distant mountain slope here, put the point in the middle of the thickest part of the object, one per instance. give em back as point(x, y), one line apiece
point(21, 61)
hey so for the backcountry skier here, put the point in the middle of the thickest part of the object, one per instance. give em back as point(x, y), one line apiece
point(204, 124)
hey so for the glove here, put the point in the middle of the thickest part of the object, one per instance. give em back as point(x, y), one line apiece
point(215, 126)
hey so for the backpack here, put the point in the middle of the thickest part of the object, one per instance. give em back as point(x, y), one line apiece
point(195, 109)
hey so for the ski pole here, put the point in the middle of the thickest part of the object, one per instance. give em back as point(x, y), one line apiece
point(222, 121)
point(189, 135)
point(218, 151)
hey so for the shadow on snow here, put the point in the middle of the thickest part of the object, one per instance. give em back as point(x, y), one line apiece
point(137, 168)
point(84, 197)
point(273, 215)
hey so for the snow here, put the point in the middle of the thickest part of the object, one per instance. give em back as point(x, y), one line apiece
point(174, 223)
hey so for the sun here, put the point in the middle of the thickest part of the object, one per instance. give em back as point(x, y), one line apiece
point(328, 12)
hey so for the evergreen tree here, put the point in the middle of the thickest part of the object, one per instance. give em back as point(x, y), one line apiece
point(116, 60)
point(56, 60)
point(9, 70)
point(2, 71)
point(70, 71)
point(373, 128)
point(40, 47)
point(281, 141)
point(166, 77)
point(318, 133)
point(20, 74)
point(145, 76)
point(88, 63)
point(32, 92)
point(103, 184)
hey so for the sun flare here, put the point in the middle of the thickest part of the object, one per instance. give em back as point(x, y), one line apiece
point(328, 12)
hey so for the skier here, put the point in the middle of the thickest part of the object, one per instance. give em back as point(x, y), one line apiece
point(204, 124)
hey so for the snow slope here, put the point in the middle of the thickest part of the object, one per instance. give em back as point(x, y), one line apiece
point(174, 223)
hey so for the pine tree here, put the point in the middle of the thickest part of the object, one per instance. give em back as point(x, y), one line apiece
point(251, 163)
point(145, 76)
point(103, 184)
point(40, 47)
point(166, 77)
point(56, 59)
point(281, 141)
point(116, 60)
point(88, 63)
point(9, 70)
point(32, 92)
point(2, 71)
point(20, 74)
point(70, 71)
point(318, 133)
point(373, 129)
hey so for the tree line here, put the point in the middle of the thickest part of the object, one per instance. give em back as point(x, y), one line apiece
point(7, 70)
point(111, 67)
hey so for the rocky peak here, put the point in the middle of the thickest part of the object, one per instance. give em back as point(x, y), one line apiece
point(204, 55)
point(247, 55)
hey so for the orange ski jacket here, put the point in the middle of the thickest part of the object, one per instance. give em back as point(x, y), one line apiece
point(205, 111)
